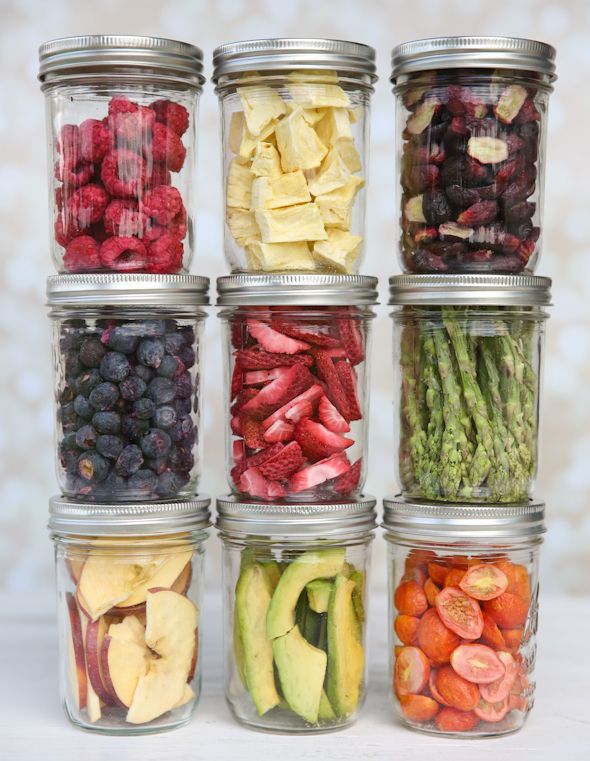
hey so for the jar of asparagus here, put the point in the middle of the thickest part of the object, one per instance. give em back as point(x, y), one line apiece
point(467, 362)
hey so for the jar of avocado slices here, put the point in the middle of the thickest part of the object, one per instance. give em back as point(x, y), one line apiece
point(295, 604)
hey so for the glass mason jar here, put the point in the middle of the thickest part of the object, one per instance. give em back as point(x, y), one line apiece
point(463, 603)
point(471, 120)
point(121, 137)
point(295, 127)
point(126, 357)
point(296, 384)
point(295, 582)
point(467, 353)
point(129, 590)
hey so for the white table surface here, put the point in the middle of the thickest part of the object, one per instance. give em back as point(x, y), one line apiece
point(33, 727)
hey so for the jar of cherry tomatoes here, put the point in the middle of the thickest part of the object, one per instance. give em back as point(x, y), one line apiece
point(463, 591)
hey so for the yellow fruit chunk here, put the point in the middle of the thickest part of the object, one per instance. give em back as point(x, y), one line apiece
point(318, 95)
point(242, 225)
point(262, 105)
point(339, 252)
point(334, 126)
point(336, 206)
point(333, 174)
point(487, 150)
point(241, 141)
point(314, 75)
point(266, 161)
point(294, 223)
point(298, 143)
point(280, 256)
point(239, 185)
point(276, 192)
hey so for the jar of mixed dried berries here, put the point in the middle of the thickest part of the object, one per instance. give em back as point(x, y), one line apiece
point(129, 590)
point(126, 355)
point(471, 124)
point(295, 580)
point(121, 120)
point(295, 122)
point(467, 353)
point(296, 391)
point(463, 591)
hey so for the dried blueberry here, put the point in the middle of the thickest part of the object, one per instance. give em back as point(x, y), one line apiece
point(143, 482)
point(67, 413)
point(144, 408)
point(173, 342)
point(183, 430)
point(133, 429)
point(72, 364)
point(169, 484)
point(436, 208)
point(83, 407)
point(183, 407)
point(86, 437)
point(123, 338)
point(92, 467)
point(157, 464)
point(132, 388)
point(107, 422)
point(184, 386)
point(187, 355)
point(181, 460)
point(129, 461)
point(86, 381)
point(150, 352)
point(151, 328)
point(161, 390)
point(109, 446)
point(164, 416)
point(156, 443)
point(171, 366)
point(104, 396)
point(91, 352)
point(145, 373)
point(114, 366)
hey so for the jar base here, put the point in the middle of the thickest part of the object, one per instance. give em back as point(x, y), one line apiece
point(153, 727)
point(292, 724)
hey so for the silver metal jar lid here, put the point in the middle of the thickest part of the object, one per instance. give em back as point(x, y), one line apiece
point(473, 52)
point(294, 54)
point(304, 521)
point(299, 290)
point(480, 290)
point(128, 519)
point(127, 290)
point(438, 521)
point(97, 53)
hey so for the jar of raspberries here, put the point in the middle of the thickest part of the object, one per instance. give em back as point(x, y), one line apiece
point(127, 364)
point(130, 582)
point(463, 591)
point(471, 126)
point(121, 119)
point(297, 390)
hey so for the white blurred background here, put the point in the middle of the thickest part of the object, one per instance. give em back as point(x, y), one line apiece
point(26, 417)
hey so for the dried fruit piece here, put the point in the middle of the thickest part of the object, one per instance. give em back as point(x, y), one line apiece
point(82, 255)
point(508, 610)
point(411, 671)
point(409, 598)
point(418, 707)
point(477, 663)
point(484, 582)
point(480, 213)
point(453, 720)
point(456, 691)
point(509, 103)
point(422, 116)
point(348, 482)
point(459, 612)
point(123, 254)
point(488, 150)
point(435, 639)
point(283, 463)
point(494, 692)
point(406, 628)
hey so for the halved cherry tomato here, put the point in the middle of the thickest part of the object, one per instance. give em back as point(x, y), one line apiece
point(406, 628)
point(434, 689)
point(492, 712)
point(453, 720)
point(459, 613)
point(409, 598)
point(418, 707)
point(517, 703)
point(484, 582)
point(512, 638)
point(509, 611)
point(477, 663)
point(418, 557)
point(438, 573)
point(456, 691)
point(496, 691)
point(435, 639)
point(491, 634)
point(431, 591)
point(453, 577)
point(519, 582)
point(417, 574)
point(397, 650)
point(411, 671)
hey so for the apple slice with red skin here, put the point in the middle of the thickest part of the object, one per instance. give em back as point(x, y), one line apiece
point(124, 659)
point(78, 662)
point(92, 699)
point(95, 634)
point(180, 585)
point(74, 565)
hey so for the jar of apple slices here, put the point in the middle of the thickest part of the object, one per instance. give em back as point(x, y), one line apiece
point(296, 386)
point(295, 116)
point(129, 590)
point(463, 592)
point(295, 580)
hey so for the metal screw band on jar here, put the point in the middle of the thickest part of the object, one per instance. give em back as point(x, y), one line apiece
point(301, 290)
point(495, 290)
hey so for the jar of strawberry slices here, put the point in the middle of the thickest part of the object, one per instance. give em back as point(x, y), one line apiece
point(296, 391)
point(463, 592)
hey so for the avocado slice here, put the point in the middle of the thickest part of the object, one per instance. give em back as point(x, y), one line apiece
point(346, 657)
point(307, 567)
point(301, 668)
point(358, 594)
point(318, 594)
point(239, 651)
point(326, 712)
point(253, 595)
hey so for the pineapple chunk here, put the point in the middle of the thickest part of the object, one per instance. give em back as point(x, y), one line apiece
point(237, 125)
point(266, 161)
point(242, 225)
point(241, 141)
point(339, 252)
point(318, 95)
point(252, 258)
point(336, 206)
point(298, 144)
point(347, 192)
point(262, 106)
point(333, 126)
point(239, 185)
point(333, 174)
point(294, 223)
point(280, 256)
point(275, 192)
point(349, 154)
point(311, 115)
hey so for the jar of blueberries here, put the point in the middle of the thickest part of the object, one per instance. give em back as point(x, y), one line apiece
point(126, 355)
point(471, 125)
point(121, 117)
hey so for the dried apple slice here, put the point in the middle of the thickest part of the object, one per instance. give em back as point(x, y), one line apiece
point(165, 576)
point(76, 660)
point(95, 634)
point(124, 659)
point(92, 698)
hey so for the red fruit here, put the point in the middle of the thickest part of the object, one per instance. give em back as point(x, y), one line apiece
point(431, 591)
point(68, 144)
point(453, 720)
point(159, 176)
point(166, 147)
point(456, 691)
point(87, 205)
point(512, 639)
point(178, 226)
point(305, 334)
point(527, 113)
point(317, 442)
point(279, 431)
point(236, 425)
point(258, 359)
point(284, 463)
point(276, 490)
point(406, 627)
point(82, 255)
point(123, 173)
point(435, 639)
point(352, 340)
point(260, 377)
point(299, 411)
point(348, 482)
point(422, 177)
point(309, 396)
point(173, 115)
point(239, 452)
point(477, 663)
point(409, 598)
point(459, 613)
point(496, 691)
point(330, 417)
point(163, 204)
point(509, 611)
point(119, 104)
point(433, 688)
point(236, 380)
point(165, 255)
point(438, 573)
point(73, 175)
point(252, 482)
point(491, 634)
point(123, 254)
point(411, 671)
point(418, 707)
point(519, 582)
point(278, 392)
point(484, 582)
point(453, 577)
point(492, 712)
point(318, 473)
point(123, 218)
point(480, 213)
point(329, 374)
point(95, 140)
point(266, 454)
point(348, 381)
point(252, 432)
point(273, 341)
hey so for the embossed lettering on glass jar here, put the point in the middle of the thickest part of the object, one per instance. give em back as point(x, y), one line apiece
point(129, 590)
point(471, 125)
point(463, 602)
point(295, 116)
point(121, 121)
point(127, 368)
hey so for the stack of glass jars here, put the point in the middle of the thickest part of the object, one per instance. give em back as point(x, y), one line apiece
point(296, 325)
point(468, 340)
point(127, 319)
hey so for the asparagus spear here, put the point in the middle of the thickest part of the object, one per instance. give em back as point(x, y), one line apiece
point(411, 409)
point(434, 404)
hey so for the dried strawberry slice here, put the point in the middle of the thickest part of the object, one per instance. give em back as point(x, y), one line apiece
point(260, 377)
point(317, 442)
point(276, 490)
point(324, 470)
point(352, 340)
point(252, 432)
point(265, 454)
point(349, 481)
point(236, 380)
point(252, 482)
point(243, 396)
point(330, 417)
point(259, 359)
point(284, 463)
point(279, 392)
point(348, 381)
point(239, 453)
point(311, 395)
point(306, 335)
point(298, 411)
point(279, 431)
point(336, 393)
point(273, 341)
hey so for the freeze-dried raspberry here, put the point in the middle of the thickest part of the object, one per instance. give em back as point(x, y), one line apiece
point(82, 255)
point(123, 173)
point(124, 254)
point(73, 175)
point(95, 140)
point(165, 255)
point(119, 104)
point(68, 144)
point(171, 114)
point(166, 147)
point(59, 198)
point(133, 128)
point(66, 230)
point(162, 204)
point(159, 176)
point(87, 205)
point(122, 217)
point(178, 225)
